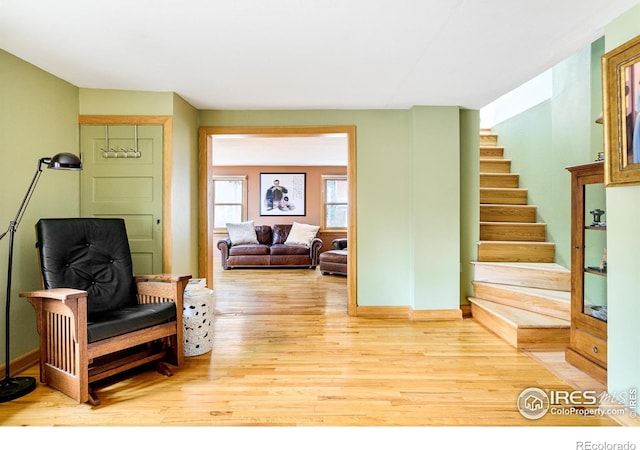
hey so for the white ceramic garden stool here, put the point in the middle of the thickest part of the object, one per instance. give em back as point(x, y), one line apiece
point(198, 318)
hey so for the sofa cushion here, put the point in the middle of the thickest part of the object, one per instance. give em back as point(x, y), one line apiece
point(334, 256)
point(88, 254)
point(242, 233)
point(302, 234)
point(280, 233)
point(288, 249)
point(249, 249)
point(128, 319)
point(264, 234)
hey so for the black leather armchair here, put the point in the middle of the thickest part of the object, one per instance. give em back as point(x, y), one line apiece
point(94, 317)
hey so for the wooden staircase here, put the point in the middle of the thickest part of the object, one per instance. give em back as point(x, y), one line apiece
point(519, 292)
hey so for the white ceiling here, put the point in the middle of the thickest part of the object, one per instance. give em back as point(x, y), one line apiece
point(256, 150)
point(304, 54)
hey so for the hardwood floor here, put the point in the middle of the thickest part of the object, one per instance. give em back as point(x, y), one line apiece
point(285, 353)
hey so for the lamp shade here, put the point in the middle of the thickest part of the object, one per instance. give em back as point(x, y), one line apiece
point(67, 161)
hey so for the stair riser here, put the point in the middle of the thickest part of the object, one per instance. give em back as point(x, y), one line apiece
point(499, 180)
point(516, 252)
point(491, 152)
point(503, 196)
point(521, 338)
point(513, 232)
point(488, 139)
point(523, 276)
point(522, 300)
point(495, 166)
point(503, 329)
point(515, 213)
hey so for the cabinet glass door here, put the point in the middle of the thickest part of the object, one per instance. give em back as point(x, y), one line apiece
point(595, 253)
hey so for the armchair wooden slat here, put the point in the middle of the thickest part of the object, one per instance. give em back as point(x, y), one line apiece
point(83, 336)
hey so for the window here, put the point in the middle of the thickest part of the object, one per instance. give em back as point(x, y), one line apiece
point(229, 200)
point(335, 202)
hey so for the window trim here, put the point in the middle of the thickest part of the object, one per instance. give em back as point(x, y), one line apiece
point(323, 204)
point(244, 209)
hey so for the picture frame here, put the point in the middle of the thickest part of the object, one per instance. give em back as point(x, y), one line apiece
point(283, 193)
point(621, 114)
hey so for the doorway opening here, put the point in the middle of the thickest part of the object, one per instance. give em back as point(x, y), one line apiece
point(206, 181)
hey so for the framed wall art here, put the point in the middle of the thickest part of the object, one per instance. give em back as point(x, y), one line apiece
point(283, 194)
point(621, 113)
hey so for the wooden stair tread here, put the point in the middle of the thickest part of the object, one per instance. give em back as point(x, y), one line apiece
point(527, 265)
point(520, 318)
point(506, 224)
point(517, 243)
point(499, 205)
point(503, 189)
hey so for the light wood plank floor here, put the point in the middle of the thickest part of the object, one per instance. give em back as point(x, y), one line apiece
point(286, 353)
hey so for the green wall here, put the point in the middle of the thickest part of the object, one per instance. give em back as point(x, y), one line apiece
point(38, 118)
point(469, 199)
point(408, 197)
point(435, 207)
point(110, 102)
point(546, 139)
point(623, 252)
point(184, 208)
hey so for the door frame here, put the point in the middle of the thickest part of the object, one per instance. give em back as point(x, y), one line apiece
point(167, 152)
point(205, 187)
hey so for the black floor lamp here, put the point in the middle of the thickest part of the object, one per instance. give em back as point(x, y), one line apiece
point(12, 388)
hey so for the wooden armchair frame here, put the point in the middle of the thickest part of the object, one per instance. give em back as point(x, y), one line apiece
point(70, 364)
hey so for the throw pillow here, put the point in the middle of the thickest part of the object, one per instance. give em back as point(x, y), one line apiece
point(301, 234)
point(242, 233)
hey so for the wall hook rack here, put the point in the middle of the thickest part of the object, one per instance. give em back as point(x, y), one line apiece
point(120, 152)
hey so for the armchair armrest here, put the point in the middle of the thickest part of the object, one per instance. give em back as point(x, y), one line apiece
point(166, 287)
point(314, 249)
point(164, 277)
point(61, 294)
point(162, 287)
point(62, 303)
point(224, 245)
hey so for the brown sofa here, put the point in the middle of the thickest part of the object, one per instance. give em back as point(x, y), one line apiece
point(271, 250)
point(334, 261)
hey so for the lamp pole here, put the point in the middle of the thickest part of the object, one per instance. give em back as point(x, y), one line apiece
point(16, 387)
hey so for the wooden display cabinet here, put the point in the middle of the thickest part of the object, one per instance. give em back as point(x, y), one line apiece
point(588, 343)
